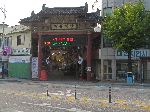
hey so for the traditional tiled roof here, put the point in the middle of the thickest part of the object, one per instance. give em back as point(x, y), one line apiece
point(54, 11)
point(32, 18)
point(62, 10)
point(47, 12)
point(91, 17)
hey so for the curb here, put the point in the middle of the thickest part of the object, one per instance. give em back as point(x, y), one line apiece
point(78, 83)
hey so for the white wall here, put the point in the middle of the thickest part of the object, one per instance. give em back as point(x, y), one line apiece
point(106, 53)
point(118, 3)
point(147, 4)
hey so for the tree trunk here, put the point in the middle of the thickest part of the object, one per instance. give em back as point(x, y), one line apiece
point(129, 62)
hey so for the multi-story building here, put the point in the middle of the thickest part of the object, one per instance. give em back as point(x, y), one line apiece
point(109, 5)
point(16, 46)
point(114, 62)
point(5, 49)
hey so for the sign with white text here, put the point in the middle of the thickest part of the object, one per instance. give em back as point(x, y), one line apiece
point(135, 54)
point(34, 67)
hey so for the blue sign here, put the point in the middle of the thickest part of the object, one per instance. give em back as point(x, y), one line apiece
point(134, 54)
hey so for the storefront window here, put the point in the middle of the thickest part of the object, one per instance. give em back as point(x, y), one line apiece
point(107, 69)
point(122, 68)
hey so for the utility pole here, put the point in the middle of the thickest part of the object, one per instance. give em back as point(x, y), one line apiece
point(2, 42)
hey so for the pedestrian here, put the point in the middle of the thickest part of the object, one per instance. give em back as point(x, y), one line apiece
point(3, 72)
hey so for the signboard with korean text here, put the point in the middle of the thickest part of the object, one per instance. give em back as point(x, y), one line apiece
point(69, 26)
point(21, 51)
point(19, 59)
point(64, 40)
point(135, 54)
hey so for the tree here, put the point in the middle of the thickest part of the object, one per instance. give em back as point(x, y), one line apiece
point(128, 28)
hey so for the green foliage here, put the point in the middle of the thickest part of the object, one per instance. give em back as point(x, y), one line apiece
point(128, 27)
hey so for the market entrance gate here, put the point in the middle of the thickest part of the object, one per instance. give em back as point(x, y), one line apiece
point(64, 35)
point(62, 56)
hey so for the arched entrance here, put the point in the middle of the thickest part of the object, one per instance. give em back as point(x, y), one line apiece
point(63, 56)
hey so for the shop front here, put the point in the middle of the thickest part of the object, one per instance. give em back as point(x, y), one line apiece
point(114, 64)
point(137, 66)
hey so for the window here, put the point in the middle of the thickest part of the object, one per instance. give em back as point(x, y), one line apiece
point(107, 11)
point(20, 40)
point(6, 39)
point(0, 42)
point(10, 41)
point(107, 43)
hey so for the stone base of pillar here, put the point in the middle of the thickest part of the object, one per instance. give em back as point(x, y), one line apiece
point(89, 76)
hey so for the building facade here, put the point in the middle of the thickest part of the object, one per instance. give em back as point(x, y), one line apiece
point(5, 49)
point(114, 62)
point(16, 48)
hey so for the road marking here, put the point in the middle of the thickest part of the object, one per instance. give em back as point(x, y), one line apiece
point(55, 107)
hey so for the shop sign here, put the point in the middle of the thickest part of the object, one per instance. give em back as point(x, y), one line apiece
point(19, 59)
point(134, 54)
point(21, 51)
point(34, 67)
point(5, 51)
point(67, 26)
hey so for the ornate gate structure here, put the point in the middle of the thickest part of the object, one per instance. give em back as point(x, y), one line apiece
point(62, 39)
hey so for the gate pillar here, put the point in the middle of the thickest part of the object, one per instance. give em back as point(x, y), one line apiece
point(39, 55)
point(89, 51)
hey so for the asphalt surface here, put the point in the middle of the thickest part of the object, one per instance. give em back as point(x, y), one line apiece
point(59, 96)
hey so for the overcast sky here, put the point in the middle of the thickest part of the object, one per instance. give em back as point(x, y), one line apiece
point(19, 9)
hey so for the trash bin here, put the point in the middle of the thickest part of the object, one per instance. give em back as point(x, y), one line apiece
point(130, 78)
point(43, 75)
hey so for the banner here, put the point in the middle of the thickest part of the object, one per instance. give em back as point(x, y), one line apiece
point(34, 67)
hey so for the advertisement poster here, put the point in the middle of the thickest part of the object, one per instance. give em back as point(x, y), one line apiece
point(34, 67)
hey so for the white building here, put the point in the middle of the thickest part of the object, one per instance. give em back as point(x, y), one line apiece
point(14, 41)
point(113, 62)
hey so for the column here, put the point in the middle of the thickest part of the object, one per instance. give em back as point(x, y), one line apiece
point(39, 55)
point(102, 60)
point(89, 51)
point(102, 69)
point(139, 70)
point(113, 65)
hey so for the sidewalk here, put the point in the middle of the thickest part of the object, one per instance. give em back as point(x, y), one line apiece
point(80, 83)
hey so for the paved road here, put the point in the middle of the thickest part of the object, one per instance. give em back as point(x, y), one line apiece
point(27, 96)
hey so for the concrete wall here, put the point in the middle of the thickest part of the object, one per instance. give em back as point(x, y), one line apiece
point(106, 53)
point(147, 4)
point(118, 3)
